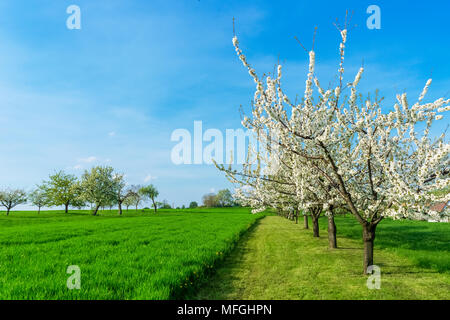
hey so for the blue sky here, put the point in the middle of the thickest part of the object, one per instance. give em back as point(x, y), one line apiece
point(113, 92)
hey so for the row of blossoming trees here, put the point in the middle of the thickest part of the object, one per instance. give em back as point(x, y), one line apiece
point(99, 187)
point(335, 150)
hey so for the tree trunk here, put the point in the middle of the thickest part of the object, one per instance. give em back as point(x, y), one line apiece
point(95, 210)
point(315, 221)
point(296, 216)
point(66, 209)
point(368, 237)
point(136, 207)
point(120, 208)
point(154, 205)
point(7, 211)
point(305, 219)
point(39, 210)
point(332, 232)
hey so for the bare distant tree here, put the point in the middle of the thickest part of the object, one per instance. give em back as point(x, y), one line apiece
point(9, 198)
point(39, 198)
point(135, 195)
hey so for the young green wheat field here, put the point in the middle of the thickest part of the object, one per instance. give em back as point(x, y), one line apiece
point(214, 253)
point(139, 255)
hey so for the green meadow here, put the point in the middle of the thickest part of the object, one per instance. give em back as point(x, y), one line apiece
point(278, 259)
point(214, 253)
point(139, 255)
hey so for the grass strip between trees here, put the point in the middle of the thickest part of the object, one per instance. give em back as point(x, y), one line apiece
point(280, 260)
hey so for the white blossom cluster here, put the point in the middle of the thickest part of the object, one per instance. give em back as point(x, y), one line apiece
point(335, 149)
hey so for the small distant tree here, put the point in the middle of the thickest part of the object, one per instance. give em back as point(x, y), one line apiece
point(163, 205)
point(61, 189)
point(135, 196)
point(121, 193)
point(224, 198)
point(9, 198)
point(99, 187)
point(210, 200)
point(77, 201)
point(137, 199)
point(193, 205)
point(128, 201)
point(151, 193)
point(38, 198)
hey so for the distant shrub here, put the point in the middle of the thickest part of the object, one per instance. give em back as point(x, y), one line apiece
point(193, 204)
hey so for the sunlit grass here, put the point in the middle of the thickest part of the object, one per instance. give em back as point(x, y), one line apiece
point(278, 259)
point(140, 255)
point(426, 244)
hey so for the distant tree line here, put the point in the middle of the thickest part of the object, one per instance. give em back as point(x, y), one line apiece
point(98, 187)
point(223, 198)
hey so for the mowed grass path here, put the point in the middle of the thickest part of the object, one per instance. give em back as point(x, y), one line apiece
point(134, 256)
point(278, 259)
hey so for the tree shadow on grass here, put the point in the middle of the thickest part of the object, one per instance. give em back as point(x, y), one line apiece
point(425, 243)
point(417, 235)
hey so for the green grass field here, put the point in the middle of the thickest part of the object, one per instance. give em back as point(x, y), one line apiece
point(426, 244)
point(207, 254)
point(134, 256)
point(278, 259)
